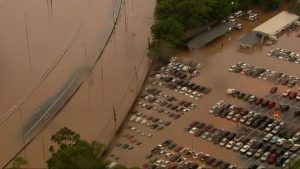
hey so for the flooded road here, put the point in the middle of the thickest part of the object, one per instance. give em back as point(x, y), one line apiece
point(62, 37)
point(217, 60)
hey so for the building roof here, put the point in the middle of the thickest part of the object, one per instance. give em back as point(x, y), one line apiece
point(277, 23)
point(208, 36)
point(251, 38)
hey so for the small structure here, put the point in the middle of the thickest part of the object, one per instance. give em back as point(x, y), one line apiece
point(269, 29)
point(209, 35)
point(250, 39)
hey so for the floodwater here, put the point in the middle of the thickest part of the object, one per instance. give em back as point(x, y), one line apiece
point(61, 37)
point(215, 75)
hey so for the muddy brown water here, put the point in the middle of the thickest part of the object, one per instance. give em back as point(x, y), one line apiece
point(113, 81)
point(75, 31)
point(215, 75)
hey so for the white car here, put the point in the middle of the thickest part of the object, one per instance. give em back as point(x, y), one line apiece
point(144, 122)
point(232, 68)
point(230, 91)
point(276, 129)
point(296, 136)
point(230, 144)
point(169, 154)
point(185, 68)
point(295, 147)
point(298, 97)
point(132, 118)
point(280, 141)
point(183, 90)
point(220, 103)
point(237, 146)
point(238, 14)
point(193, 130)
point(286, 92)
point(245, 148)
point(265, 156)
point(211, 110)
point(173, 59)
point(268, 137)
point(149, 135)
point(138, 119)
point(230, 115)
point(287, 154)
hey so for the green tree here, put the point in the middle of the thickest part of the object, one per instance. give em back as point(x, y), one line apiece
point(294, 6)
point(18, 163)
point(164, 9)
point(168, 30)
point(219, 9)
point(73, 152)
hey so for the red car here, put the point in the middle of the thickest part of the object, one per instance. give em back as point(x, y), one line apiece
point(194, 123)
point(238, 109)
point(145, 165)
point(271, 104)
point(150, 118)
point(293, 95)
point(273, 90)
point(178, 148)
point(272, 158)
point(259, 101)
point(173, 166)
point(130, 137)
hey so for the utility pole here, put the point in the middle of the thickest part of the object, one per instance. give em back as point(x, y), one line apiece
point(27, 42)
point(115, 119)
point(137, 80)
point(125, 13)
point(87, 66)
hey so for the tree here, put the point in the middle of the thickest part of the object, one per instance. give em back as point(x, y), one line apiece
point(219, 9)
point(164, 9)
point(73, 152)
point(18, 163)
point(168, 30)
point(161, 51)
point(294, 6)
point(267, 4)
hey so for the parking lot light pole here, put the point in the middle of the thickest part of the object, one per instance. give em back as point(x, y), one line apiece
point(115, 118)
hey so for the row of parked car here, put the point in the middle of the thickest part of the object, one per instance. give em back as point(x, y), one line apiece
point(265, 123)
point(137, 131)
point(177, 76)
point(265, 74)
point(182, 86)
point(185, 71)
point(172, 156)
point(129, 146)
point(264, 151)
point(246, 15)
point(255, 100)
point(149, 121)
point(285, 54)
point(248, 118)
point(167, 101)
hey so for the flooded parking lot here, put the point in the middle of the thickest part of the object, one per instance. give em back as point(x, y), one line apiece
point(217, 60)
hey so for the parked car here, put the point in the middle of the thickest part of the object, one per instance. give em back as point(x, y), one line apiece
point(286, 93)
point(265, 156)
point(272, 158)
point(273, 90)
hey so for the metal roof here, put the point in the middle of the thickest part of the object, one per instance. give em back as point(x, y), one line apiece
point(251, 38)
point(277, 23)
point(208, 36)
